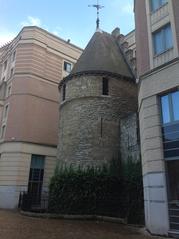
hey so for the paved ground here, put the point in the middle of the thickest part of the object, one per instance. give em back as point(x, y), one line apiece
point(15, 226)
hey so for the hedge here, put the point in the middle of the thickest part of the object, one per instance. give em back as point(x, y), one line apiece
point(108, 191)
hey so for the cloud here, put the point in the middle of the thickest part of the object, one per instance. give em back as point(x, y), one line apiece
point(6, 36)
point(126, 8)
point(31, 21)
point(57, 31)
point(35, 21)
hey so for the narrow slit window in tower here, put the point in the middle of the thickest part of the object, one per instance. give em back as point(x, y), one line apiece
point(105, 86)
point(63, 92)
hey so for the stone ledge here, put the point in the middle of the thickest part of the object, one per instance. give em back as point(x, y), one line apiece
point(74, 217)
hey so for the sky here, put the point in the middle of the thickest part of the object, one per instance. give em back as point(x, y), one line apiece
point(68, 19)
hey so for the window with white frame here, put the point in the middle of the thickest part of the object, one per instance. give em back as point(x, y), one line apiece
point(67, 66)
point(156, 4)
point(162, 39)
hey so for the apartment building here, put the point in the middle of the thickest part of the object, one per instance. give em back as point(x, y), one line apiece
point(31, 67)
point(157, 42)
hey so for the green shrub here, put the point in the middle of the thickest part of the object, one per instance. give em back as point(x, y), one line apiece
point(85, 191)
point(115, 190)
point(132, 175)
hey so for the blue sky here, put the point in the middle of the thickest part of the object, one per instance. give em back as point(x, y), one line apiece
point(69, 19)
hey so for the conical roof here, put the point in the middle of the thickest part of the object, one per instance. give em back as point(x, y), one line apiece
point(102, 54)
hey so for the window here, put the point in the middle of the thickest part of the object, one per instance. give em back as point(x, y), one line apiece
point(67, 66)
point(13, 56)
point(105, 86)
point(12, 71)
point(36, 178)
point(156, 4)
point(170, 107)
point(8, 91)
point(5, 65)
point(162, 39)
point(64, 92)
point(6, 111)
point(3, 131)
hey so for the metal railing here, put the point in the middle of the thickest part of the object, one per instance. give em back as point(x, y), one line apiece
point(30, 202)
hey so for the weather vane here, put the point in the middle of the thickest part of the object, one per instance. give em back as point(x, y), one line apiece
point(98, 7)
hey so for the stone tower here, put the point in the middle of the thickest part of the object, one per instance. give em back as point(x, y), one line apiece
point(99, 92)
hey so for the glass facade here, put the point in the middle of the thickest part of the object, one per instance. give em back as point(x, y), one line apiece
point(170, 120)
point(170, 130)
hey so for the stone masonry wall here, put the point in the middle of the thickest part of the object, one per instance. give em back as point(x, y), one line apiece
point(129, 141)
point(89, 128)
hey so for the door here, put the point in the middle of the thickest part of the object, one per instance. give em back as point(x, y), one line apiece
point(36, 179)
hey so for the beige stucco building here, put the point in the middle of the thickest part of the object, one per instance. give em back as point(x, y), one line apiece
point(31, 67)
point(157, 40)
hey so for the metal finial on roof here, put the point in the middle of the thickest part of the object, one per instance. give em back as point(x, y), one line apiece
point(98, 7)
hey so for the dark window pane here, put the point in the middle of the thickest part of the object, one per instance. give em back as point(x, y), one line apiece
point(165, 109)
point(158, 42)
point(175, 101)
point(171, 145)
point(67, 66)
point(64, 92)
point(36, 173)
point(168, 37)
point(171, 137)
point(173, 177)
point(37, 161)
point(155, 4)
point(36, 178)
point(171, 153)
point(170, 128)
point(105, 86)
point(162, 39)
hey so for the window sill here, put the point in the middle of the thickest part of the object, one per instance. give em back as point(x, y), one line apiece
point(106, 95)
point(163, 52)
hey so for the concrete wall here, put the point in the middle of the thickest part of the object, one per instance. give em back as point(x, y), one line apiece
point(163, 78)
point(15, 163)
point(90, 123)
point(142, 43)
point(175, 4)
point(31, 93)
point(154, 173)
point(33, 99)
